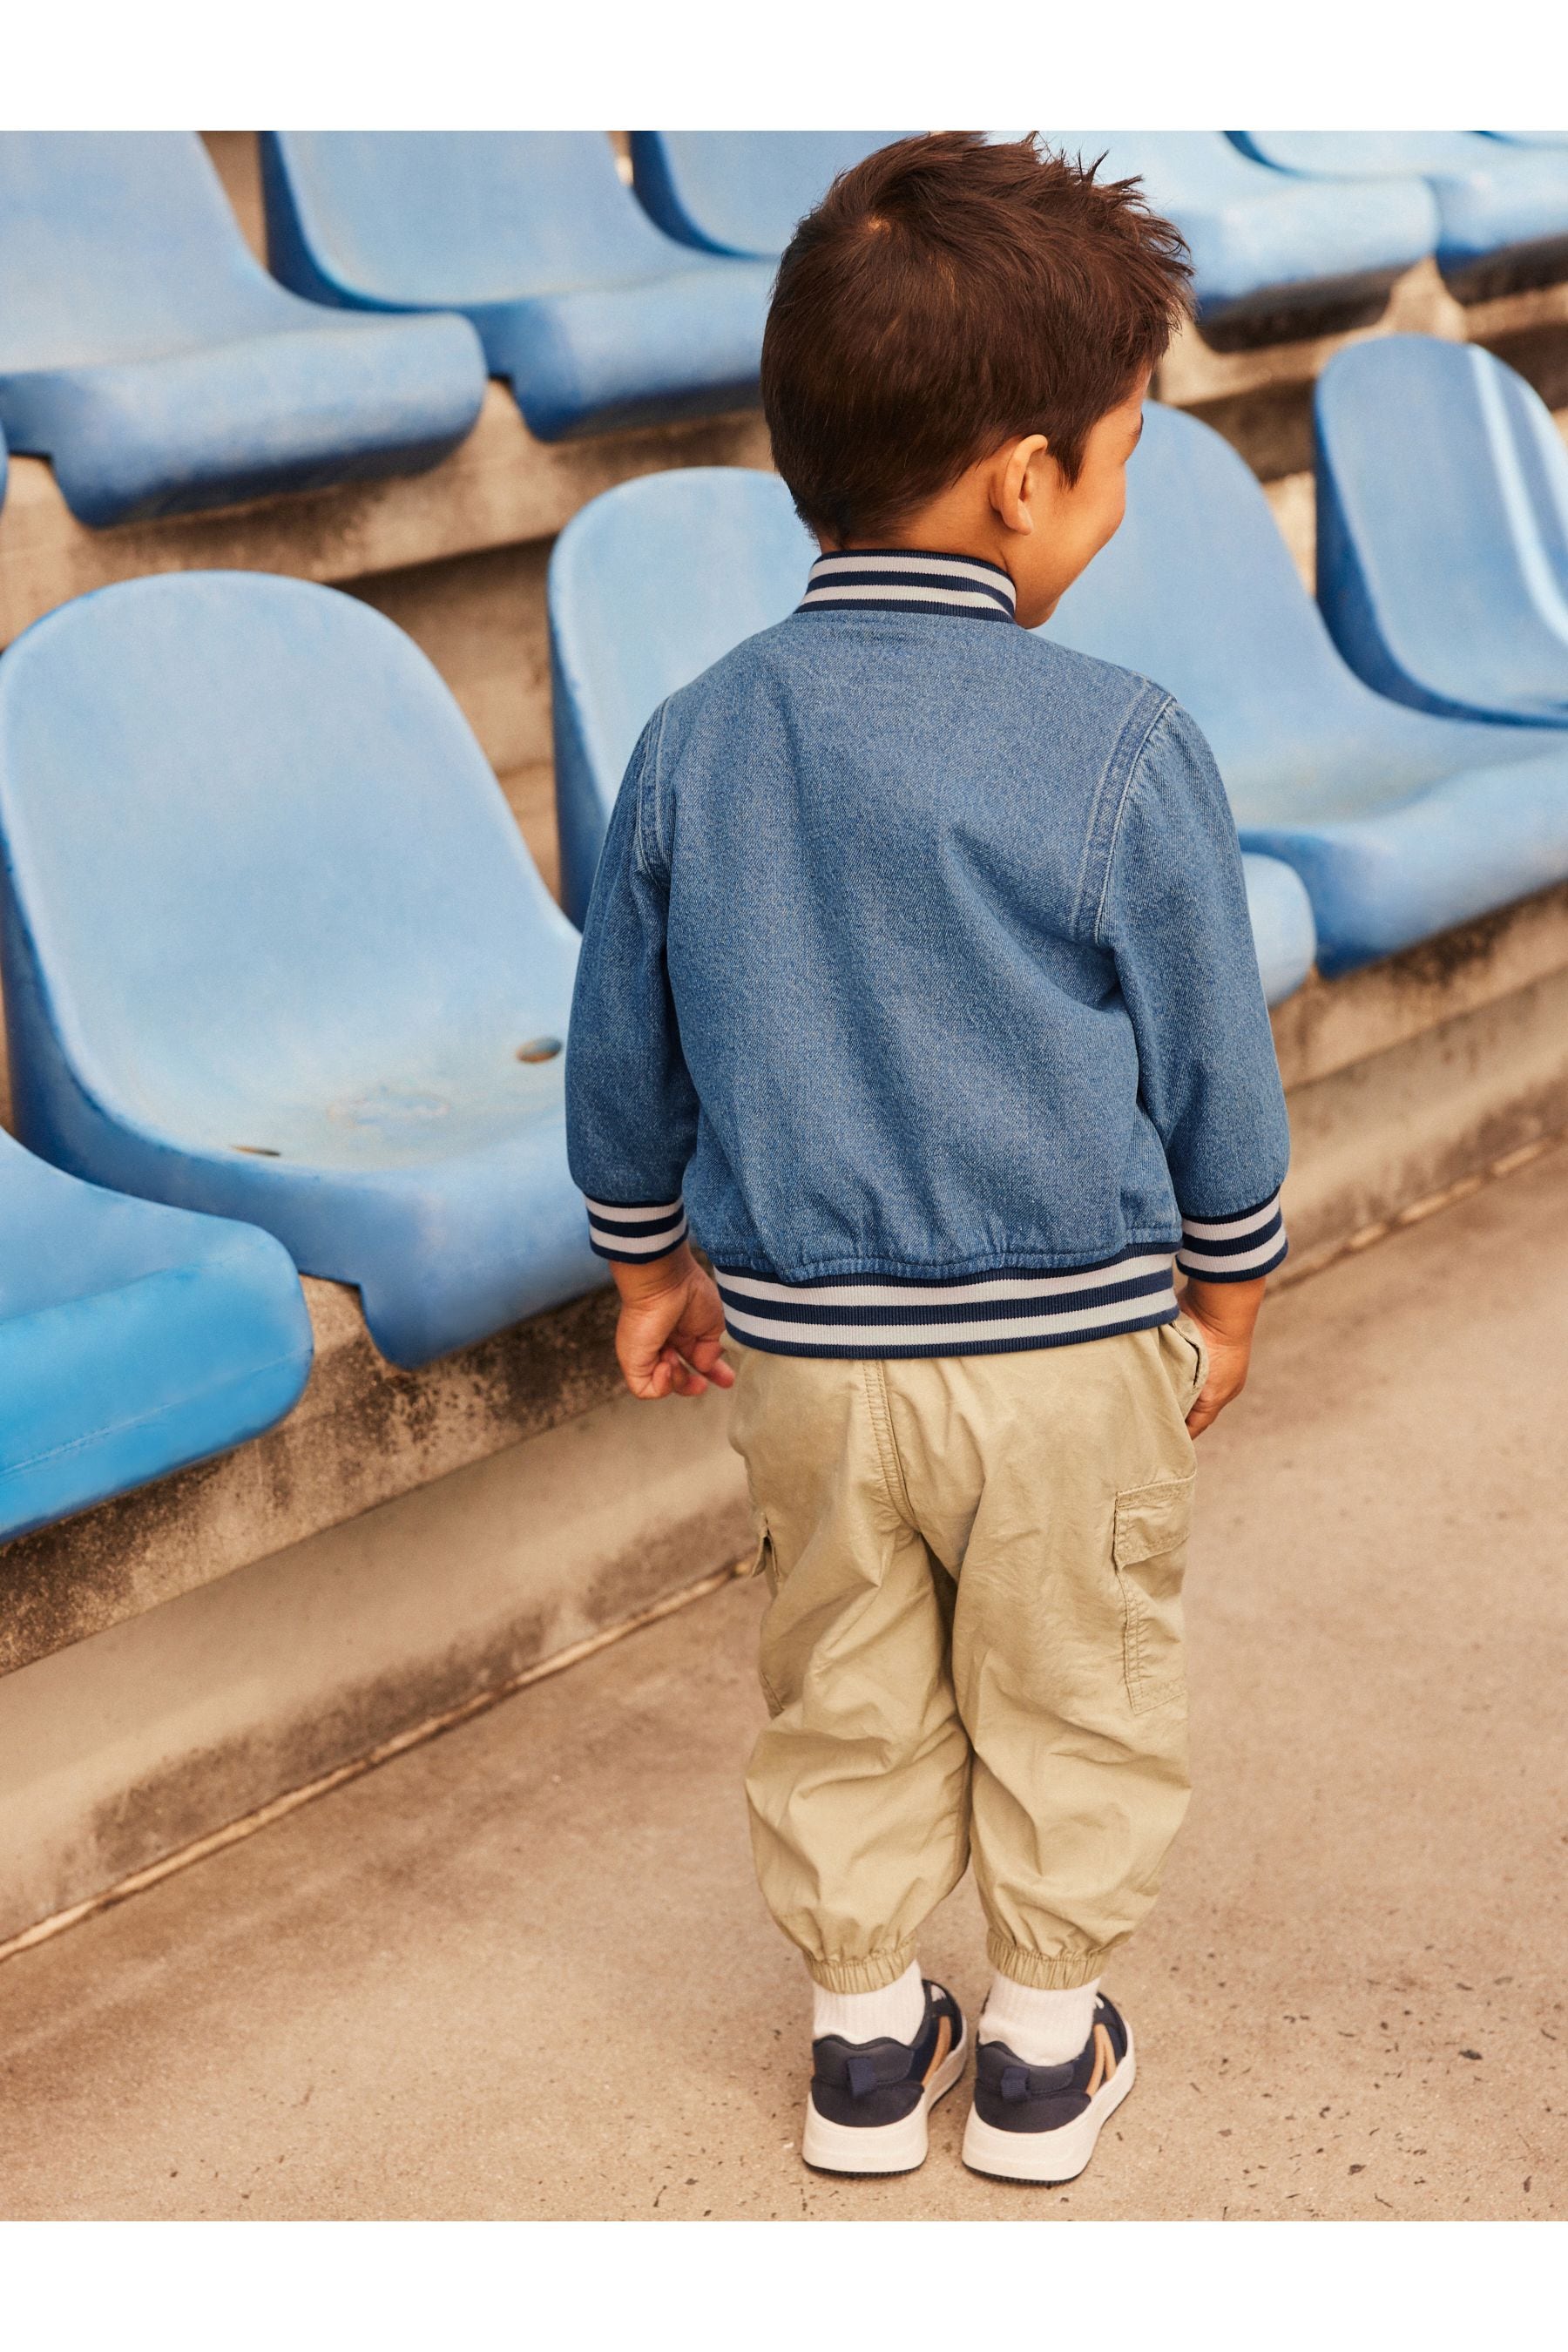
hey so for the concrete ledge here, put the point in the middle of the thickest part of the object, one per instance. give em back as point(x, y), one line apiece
point(1400, 1130)
point(1329, 1025)
point(1418, 1073)
point(362, 1432)
point(501, 486)
point(128, 1746)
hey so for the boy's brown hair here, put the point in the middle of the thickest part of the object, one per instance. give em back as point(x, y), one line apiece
point(948, 294)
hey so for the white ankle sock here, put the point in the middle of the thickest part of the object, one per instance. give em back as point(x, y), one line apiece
point(895, 2009)
point(1043, 2028)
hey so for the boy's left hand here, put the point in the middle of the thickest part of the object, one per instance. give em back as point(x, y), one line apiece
point(671, 1328)
point(1225, 1313)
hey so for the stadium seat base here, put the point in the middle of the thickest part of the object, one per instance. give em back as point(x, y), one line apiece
point(1518, 269)
point(1268, 321)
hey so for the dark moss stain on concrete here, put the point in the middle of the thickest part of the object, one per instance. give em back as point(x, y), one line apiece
point(662, 1561)
point(1438, 962)
point(172, 1808)
point(364, 1433)
point(1270, 425)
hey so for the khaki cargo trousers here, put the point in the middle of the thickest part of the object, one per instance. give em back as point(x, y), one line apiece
point(974, 1644)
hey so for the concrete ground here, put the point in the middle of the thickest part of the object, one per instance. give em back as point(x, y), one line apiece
point(522, 1971)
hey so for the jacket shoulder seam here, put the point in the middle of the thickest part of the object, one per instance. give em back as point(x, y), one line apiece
point(1110, 802)
point(654, 867)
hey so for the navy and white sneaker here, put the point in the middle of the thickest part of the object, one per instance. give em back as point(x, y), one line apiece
point(869, 2100)
point(1040, 2123)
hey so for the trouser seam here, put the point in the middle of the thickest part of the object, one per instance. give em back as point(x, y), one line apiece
point(874, 1380)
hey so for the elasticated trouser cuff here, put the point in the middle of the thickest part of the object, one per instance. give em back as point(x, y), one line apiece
point(1045, 1972)
point(872, 1974)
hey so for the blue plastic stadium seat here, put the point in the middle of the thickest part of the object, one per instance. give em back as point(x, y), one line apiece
point(133, 1339)
point(651, 583)
point(273, 947)
point(742, 192)
point(1443, 530)
point(1284, 929)
point(1272, 258)
point(594, 317)
point(1502, 204)
point(145, 351)
point(1400, 825)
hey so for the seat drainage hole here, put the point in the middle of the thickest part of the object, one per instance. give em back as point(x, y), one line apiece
point(539, 1049)
point(256, 1150)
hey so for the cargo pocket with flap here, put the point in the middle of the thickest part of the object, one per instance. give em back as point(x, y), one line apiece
point(1150, 1555)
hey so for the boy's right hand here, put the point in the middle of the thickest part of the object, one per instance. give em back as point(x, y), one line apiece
point(671, 1328)
point(1226, 1315)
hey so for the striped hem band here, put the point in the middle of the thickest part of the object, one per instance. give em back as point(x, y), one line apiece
point(983, 1314)
point(907, 579)
point(1234, 1249)
point(635, 1231)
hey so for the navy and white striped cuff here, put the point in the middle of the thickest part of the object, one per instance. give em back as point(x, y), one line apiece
point(1234, 1249)
point(986, 1315)
point(635, 1231)
point(907, 579)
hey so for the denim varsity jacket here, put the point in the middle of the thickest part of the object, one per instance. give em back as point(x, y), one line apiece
point(918, 975)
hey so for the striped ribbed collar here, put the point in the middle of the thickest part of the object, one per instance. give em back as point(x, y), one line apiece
point(910, 580)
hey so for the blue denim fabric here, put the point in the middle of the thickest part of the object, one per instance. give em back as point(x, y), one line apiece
point(920, 949)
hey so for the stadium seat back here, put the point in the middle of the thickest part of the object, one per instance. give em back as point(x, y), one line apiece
point(1197, 591)
point(461, 218)
point(1443, 528)
point(741, 190)
point(1187, 167)
point(254, 848)
point(649, 584)
point(273, 947)
point(116, 243)
point(1367, 153)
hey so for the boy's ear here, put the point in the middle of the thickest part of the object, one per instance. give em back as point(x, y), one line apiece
point(1017, 481)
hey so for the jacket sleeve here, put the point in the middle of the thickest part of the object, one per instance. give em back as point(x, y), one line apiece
point(1173, 913)
point(631, 1108)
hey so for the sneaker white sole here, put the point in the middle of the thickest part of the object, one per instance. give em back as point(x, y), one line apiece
point(1048, 2155)
point(881, 2147)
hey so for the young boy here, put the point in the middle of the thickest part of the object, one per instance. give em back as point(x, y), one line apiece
point(918, 970)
